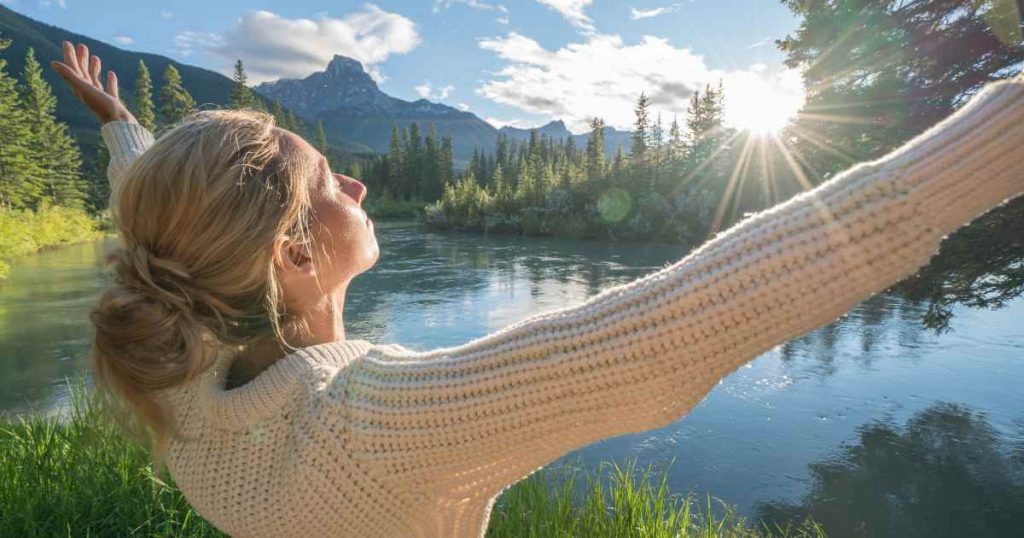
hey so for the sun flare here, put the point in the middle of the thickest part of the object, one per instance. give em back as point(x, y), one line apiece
point(763, 104)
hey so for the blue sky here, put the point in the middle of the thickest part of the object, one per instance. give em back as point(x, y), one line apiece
point(520, 62)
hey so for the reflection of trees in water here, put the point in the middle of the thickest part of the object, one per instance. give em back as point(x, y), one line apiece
point(421, 269)
point(947, 472)
point(873, 321)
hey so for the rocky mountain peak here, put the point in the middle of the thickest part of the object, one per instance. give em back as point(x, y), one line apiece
point(347, 71)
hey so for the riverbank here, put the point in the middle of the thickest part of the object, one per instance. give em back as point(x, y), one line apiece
point(386, 207)
point(24, 232)
point(75, 474)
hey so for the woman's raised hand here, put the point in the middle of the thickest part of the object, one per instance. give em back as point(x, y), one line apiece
point(82, 73)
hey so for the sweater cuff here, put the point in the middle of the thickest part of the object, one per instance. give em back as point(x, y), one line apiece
point(125, 141)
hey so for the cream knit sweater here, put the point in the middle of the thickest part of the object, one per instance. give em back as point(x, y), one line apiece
point(357, 439)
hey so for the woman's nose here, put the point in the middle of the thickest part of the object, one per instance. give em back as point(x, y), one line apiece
point(353, 187)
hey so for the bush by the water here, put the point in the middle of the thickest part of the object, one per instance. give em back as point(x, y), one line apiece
point(74, 474)
point(23, 232)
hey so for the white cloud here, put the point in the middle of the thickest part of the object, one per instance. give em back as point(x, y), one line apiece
point(563, 83)
point(166, 14)
point(188, 42)
point(572, 11)
point(503, 15)
point(272, 46)
point(637, 14)
point(123, 40)
point(462, 106)
point(427, 91)
point(47, 3)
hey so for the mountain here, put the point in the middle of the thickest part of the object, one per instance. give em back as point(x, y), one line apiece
point(613, 138)
point(351, 105)
point(555, 129)
point(207, 87)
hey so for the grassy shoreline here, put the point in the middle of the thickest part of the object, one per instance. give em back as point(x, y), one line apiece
point(24, 232)
point(75, 475)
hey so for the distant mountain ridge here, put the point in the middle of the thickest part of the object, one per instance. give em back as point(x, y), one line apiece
point(613, 138)
point(351, 105)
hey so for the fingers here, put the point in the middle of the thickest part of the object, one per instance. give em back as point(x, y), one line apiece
point(71, 58)
point(95, 66)
point(81, 70)
point(83, 60)
point(112, 85)
point(70, 75)
point(65, 71)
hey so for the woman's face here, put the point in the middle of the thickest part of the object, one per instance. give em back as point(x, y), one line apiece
point(342, 235)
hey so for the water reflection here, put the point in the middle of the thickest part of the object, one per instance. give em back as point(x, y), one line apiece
point(946, 472)
point(433, 289)
point(877, 325)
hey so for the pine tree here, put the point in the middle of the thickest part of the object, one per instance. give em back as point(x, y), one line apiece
point(321, 138)
point(53, 149)
point(97, 189)
point(657, 134)
point(641, 128)
point(293, 124)
point(278, 112)
point(447, 161)
point(175, 101)
point(355, 169)
point(414, 161)
point(704, 120)
point(432, 184)
point(20, 176)
point(595, 149)
point(504, 198)
point(394, 161)
point(675, 141)
point(144, 110)
point(241, 96)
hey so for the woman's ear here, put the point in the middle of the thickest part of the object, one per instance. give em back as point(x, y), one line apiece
point(293, 258)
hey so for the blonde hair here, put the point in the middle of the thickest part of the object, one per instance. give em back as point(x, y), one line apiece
point(198, 214)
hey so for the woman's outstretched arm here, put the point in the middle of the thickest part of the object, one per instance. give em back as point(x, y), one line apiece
point(466, 421)
point(125, 138)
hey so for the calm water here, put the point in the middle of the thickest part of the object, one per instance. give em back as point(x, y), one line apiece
point(872, 424)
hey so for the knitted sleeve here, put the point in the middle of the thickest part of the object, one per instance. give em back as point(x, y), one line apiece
point(464, 422)
point(125, 141)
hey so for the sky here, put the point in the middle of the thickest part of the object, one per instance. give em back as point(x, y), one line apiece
point(511, 62)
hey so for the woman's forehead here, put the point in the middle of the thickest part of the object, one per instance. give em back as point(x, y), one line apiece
point(321, 164)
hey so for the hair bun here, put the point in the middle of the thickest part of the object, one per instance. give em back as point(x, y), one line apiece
point(163, 279)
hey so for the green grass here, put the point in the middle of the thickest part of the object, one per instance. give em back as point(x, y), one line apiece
point(23, 232)
point(74, 474)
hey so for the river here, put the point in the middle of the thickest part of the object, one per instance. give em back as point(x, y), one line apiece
point(872, 424)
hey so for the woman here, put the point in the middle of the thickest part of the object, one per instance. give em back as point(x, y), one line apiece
point(224, 326)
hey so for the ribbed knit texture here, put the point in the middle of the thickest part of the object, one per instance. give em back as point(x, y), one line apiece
point(356, 439)
point(125, 141)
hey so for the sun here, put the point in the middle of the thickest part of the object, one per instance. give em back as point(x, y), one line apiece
point(762, 104)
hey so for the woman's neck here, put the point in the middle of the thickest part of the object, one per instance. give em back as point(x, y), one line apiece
point(321, 323)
